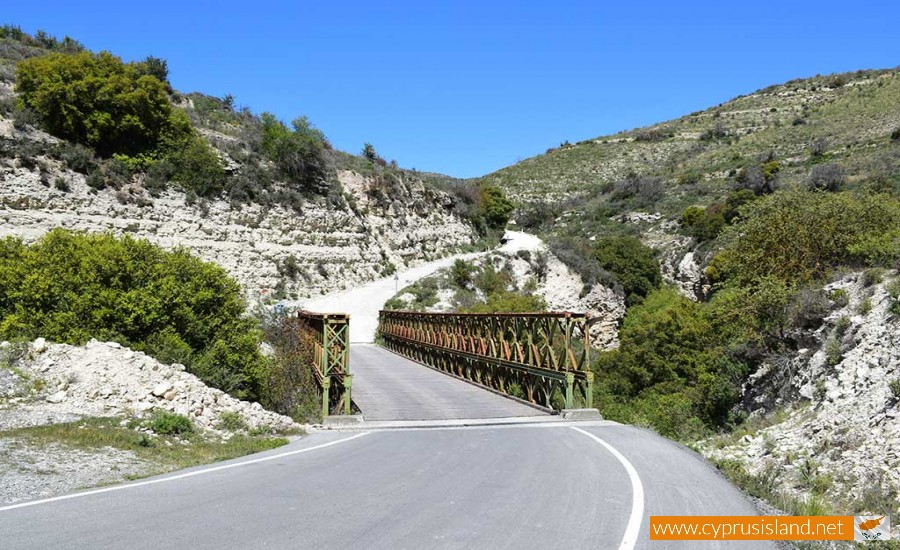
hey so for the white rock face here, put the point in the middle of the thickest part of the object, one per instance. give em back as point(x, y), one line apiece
point(106, 379)
point(334, 246)
point(850, 429)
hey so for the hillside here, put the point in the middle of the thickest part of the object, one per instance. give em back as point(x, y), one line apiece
point(844, 118)
point(285, 213)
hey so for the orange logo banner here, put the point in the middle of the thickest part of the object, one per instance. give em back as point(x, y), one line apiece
point(751, 527)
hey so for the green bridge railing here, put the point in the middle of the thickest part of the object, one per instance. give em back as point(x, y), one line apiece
point(543, 358)
point(329, 334)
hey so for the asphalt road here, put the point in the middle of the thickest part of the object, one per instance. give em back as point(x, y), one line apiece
point(387, 386)
point(523, 486)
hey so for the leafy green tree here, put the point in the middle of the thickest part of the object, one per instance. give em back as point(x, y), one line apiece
point(671, 369)
point(632, 263)
point(490, 281)
point(157, 68)
point(495, 207)
point(704, 224)
point(196, 166)
point(298, 154)
point(368, 151)
point(97, 100)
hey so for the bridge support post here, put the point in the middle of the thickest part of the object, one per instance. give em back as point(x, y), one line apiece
point(326, 385)
point(348, 383)
point(570, 390)
point(589, 391)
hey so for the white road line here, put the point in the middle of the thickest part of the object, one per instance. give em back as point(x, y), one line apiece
point(179, 476)
point(633, 528)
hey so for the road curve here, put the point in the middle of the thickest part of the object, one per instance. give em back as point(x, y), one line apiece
point(524, 486)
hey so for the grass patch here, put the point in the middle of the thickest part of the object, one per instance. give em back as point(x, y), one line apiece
point(167, 452)
point(764, 487)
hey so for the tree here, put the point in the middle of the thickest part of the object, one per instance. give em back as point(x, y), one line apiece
point(461, 272)
point(298, 154)
point(97, 100)
point(368, 151)
point(509, 302)
point(797, 236)
point(157, 68)
point(633, 264)
point(495, 207)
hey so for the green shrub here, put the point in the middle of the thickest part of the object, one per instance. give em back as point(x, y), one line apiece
point(490, 281)
point(894, 386)
point(704, 224)
point(99, 101)
point(632, 263)
point(79, 158)
point(196, 167)
point(799, 235)
point(61, 184)
point(864, 307)
point(509, 302)
point(289, 386)
point(638, 191)
point(577, 255)
point(169, 423)
point(461, 272)
point(495, 207)
point(833, 352)
point(820, 391)
point(839, 296)
point(841, 325)
point(872, 276)
point(71, 287)
point(826, 177)
point(670, 370)
point(298, 154)
point(232, 421)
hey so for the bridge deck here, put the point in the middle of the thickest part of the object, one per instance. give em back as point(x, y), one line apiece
point(389, 387)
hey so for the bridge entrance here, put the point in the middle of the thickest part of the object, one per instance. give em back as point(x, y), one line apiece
point(526, 364)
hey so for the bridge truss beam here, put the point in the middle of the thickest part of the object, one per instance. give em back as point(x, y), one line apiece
point(543, 358)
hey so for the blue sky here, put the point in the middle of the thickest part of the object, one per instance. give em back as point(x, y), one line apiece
point(466, 87)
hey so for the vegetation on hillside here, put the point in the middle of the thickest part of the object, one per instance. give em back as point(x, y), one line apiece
point(125, 128)
point(831, 131)
point(777, 190)
point(681, 364)
point(71, 287)
point(99, 101)
point(473, 287)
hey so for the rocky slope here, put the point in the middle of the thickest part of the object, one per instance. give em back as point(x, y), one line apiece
point(269, 250)
point(835, 431)
point(43, 384)
point(61, 383)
